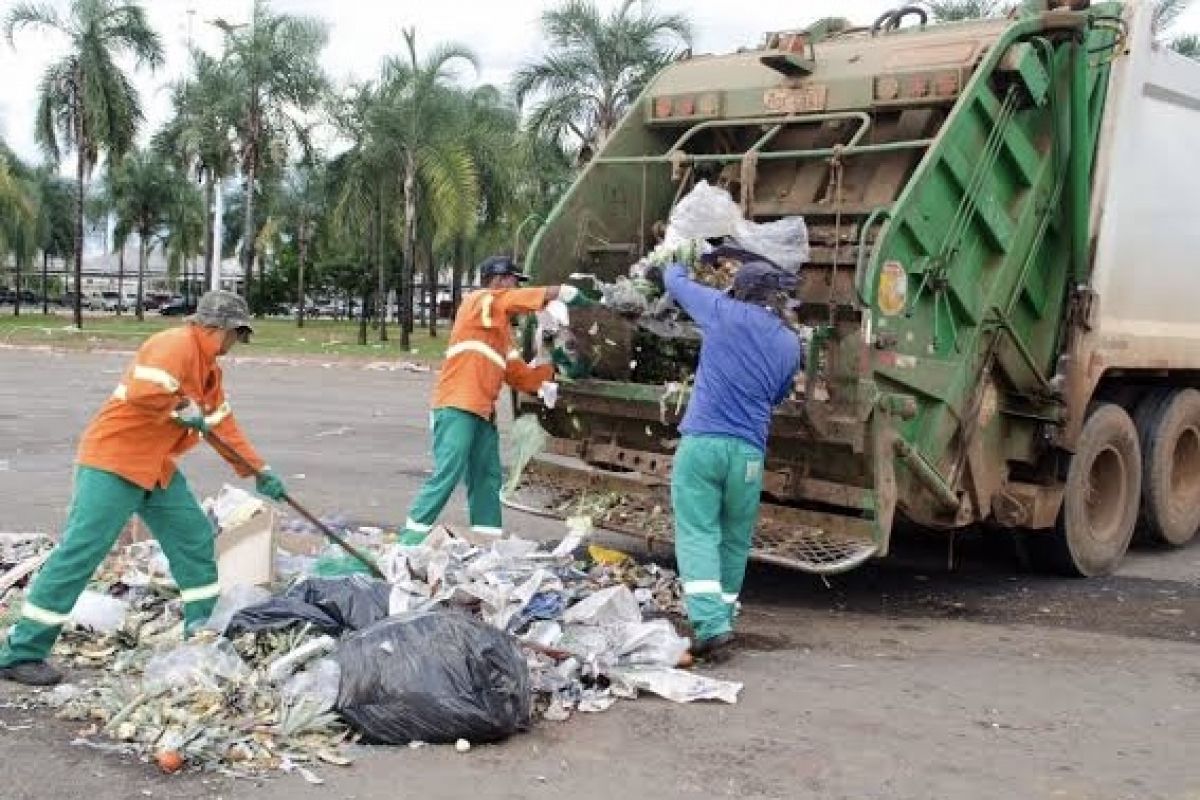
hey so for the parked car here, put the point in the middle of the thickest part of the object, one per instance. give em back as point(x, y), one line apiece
point(178, 307)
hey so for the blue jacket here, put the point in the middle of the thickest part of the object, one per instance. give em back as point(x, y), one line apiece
point(748, 360)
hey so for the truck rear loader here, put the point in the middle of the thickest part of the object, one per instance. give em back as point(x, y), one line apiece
point(1003, 287)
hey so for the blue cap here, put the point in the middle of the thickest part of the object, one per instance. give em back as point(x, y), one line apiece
point(756, 278)
point(496, 266)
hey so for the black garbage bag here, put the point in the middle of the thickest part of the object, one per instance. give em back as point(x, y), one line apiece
point(332, 605)
point(433, 676)
point(279, 613)
point(353, 601)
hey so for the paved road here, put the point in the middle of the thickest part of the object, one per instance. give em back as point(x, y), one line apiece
point(902, 680)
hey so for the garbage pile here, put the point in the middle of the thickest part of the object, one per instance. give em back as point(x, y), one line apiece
point(462, 643)
point(706, 232)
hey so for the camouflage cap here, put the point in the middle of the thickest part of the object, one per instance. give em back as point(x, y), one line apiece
point(222, 309)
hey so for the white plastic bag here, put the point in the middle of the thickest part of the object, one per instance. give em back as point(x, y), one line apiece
point(605, 607)
point(784, 241)
point(654, 642)
point(677, 685)
point(706, 212)
point(99, 612)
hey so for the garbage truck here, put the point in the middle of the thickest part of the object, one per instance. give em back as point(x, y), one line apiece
point(1002, 285)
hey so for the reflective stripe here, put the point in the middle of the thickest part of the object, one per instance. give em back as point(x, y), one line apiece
point(702, 587)
point(200, 593)
point(218, 416)
point(121, 392)
point(487, 530)
point(514, 355)
point(158, 376)
point(486, 311)
point(46, 617)
point(416, 527)
point(729, 598)
point(482, 349)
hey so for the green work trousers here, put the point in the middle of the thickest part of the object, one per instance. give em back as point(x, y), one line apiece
point(466, 448)
point(101, 505)
point(716, 482)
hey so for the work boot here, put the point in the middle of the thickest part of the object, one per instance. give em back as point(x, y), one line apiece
point(32, 673)
point(714, 649)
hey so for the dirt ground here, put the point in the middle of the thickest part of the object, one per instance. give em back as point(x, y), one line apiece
point(901, 680)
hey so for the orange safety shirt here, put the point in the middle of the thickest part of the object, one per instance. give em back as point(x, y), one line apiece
point(134, 434)
point(481, 357)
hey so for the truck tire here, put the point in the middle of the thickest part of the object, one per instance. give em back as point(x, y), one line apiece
point(1170, 442)
point(1100, 506)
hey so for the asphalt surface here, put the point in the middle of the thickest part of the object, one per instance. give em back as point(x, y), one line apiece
point(905, 679)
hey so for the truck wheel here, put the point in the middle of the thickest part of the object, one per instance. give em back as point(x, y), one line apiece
point(1100, 506)
point(1171, 469)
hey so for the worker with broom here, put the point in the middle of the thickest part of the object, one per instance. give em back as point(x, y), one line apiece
point(480, 360)
point(748, 360)
point(168, 398)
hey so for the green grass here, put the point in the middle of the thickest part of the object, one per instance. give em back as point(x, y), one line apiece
point(321, 337)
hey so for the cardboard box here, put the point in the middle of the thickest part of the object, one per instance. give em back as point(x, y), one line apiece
point(246, 552)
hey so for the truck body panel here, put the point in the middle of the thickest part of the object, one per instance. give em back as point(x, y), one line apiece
point(999, 220)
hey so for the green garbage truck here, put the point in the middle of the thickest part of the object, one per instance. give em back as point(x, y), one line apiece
point(1002, 285)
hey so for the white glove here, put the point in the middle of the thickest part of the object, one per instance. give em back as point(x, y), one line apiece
point(548, 394)
point(554, 316)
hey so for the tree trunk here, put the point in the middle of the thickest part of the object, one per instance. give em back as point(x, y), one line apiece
point(381, 256)
point(431, 278)
point(362, 312)
point(248, 233)
point(79, 187)
point(410, 250)
point(302, 257)
point(141, 276)
point(456, 281)
point(17, 281)
point(121, 280)
point(208, 212)
point(45, 290)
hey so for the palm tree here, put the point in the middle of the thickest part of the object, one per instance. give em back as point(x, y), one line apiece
point(86, 102)
point(143, 188)
point(184, 226)
point(199, 137)
point(303, 202)
point(418, 121)
point(55, 223)
point(596, 65)
point(274, 65)
point(18, 223)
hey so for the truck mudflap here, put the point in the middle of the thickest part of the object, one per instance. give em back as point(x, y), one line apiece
point(638, 504)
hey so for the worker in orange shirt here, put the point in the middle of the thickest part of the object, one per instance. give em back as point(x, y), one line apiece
point(480, 360)
point(169, 397)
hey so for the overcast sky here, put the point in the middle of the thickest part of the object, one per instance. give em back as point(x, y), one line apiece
point(361, 32)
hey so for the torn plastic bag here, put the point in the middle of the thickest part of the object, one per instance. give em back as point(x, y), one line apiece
point(202, 664)
point(433, 676)
point(331, 605)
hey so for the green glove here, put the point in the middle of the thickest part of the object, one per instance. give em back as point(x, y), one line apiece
point(191, 418)
point(270, 485)
point(574, 298)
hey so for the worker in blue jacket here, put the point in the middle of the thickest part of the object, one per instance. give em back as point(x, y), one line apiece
point(748, 361)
